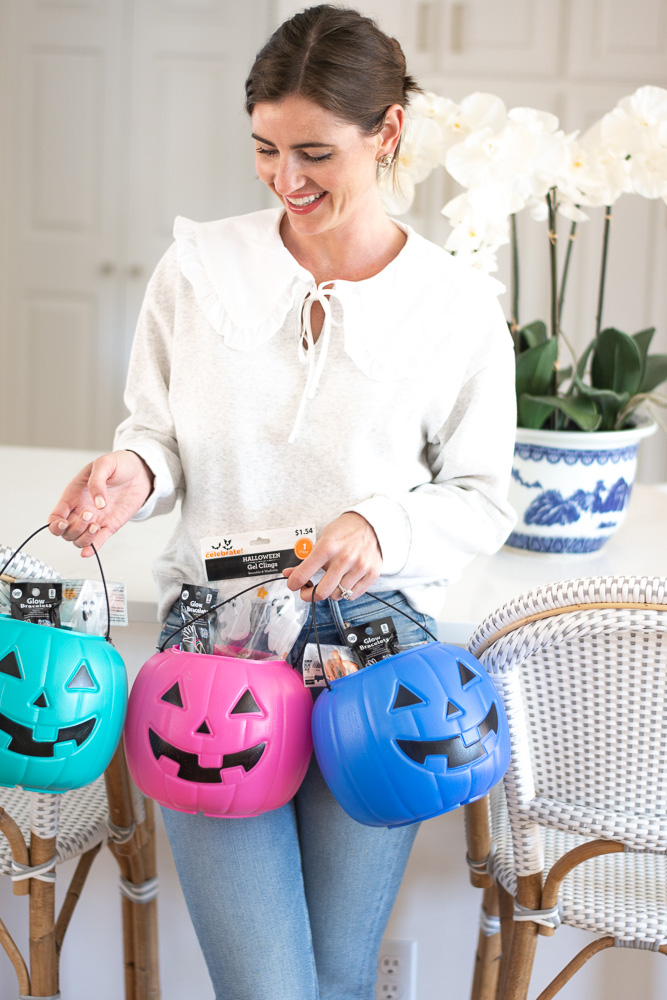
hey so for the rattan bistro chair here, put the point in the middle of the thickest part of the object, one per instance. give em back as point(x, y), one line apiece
point(579, 823)
point(40, 830)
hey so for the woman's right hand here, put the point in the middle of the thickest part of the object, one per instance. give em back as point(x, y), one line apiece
point(101, 499)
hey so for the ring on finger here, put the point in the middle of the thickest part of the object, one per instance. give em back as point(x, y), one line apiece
point(347, 594)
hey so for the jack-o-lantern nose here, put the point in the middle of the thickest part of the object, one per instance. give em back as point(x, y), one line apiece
point(204, 728)
point(41, 702)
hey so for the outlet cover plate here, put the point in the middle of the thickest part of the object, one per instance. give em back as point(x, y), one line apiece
point(397, 970)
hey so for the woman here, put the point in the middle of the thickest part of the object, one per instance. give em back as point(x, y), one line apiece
point(316, 362)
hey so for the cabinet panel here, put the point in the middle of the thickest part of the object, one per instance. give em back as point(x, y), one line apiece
point(67, 109)
point(61, 370)
point(612, 40)
point(485, 38)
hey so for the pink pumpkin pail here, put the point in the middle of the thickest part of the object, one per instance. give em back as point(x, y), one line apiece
point(218, 734)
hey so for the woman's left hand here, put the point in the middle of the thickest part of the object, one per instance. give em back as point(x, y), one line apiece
point(349, 553)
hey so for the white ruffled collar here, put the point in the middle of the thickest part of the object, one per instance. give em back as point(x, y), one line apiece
point(247, 283)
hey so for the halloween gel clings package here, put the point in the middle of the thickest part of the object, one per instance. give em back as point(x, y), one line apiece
point(197, 636)
point(262, 622)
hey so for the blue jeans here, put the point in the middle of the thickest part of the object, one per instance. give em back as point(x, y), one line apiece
point(293, 904)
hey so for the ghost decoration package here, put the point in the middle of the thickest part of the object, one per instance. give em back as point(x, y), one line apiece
point(411, 736)
point(63, 696)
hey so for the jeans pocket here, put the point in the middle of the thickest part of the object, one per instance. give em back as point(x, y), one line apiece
point(170, 634)
point(410, 624)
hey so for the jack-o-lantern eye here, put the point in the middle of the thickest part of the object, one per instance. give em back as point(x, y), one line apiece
point(173, 696)
point(405, 698)
point(246, 705)
point(466, 674)
point(82, 679)
point(9, 664)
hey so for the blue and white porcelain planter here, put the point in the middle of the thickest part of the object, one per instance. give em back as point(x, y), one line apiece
point(571, 489)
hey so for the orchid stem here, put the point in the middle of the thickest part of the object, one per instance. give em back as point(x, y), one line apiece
point(603, 268)
point(566, 266)
point(515, 281)
point(553, 249)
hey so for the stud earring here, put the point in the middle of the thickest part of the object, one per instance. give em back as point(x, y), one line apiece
point(386, 160)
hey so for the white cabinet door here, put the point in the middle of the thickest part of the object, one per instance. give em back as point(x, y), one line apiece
point(61, 189)
point(616, 40)
point(485, 38)
point(118, 117)
point(190, 151)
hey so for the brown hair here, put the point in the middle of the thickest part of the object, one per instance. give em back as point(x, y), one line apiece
point(336, 58)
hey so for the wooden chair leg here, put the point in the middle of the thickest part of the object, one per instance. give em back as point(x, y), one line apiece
point(506, 910)
point(519, 964)
point(136, 860)
point(42, 907)
point(487, 960)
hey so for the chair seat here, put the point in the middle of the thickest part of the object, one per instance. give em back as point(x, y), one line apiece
point(622, 895)
point(82, 822)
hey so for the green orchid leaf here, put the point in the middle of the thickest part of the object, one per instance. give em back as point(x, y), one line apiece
point(534, 411)
point(535, 369)
point(608, 402)
point(616, 363)
point(581, 410)
point(583, 360)
point(643, 341)
point(655, 372)
point(534, 333)
point(562, 374)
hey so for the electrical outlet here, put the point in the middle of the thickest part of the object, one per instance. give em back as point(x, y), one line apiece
point(397, 970)
point(389, 991)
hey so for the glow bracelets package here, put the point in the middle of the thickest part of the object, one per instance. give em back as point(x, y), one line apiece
point(197, 636)
point(36, 601)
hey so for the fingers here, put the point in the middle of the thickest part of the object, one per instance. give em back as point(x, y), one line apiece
point(74, 516)
point(102, 470)
point(347, 554)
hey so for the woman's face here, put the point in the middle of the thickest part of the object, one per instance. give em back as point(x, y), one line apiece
point(322, 170)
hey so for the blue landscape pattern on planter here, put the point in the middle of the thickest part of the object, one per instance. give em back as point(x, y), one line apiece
point(551, 507)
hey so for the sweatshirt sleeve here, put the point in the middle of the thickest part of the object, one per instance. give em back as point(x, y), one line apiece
point(429, 534)
point(149, 429)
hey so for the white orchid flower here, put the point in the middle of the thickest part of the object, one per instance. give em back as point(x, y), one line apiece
point(487, 156)
point(648, 173)
point(600, 174)
point(479, 219)
point(439, 109)
point(477, 111)
point(418, 155)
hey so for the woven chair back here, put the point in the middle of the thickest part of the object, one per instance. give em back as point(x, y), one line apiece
point(584, 685)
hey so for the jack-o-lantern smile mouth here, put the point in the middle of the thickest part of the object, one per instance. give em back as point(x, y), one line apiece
point(191, 770)
point(23, 741)
point(454, 749)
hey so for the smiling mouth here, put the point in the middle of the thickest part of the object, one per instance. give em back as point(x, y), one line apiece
point(306, 201)
point(191, 770)
point(454, 749)
point(24, 743)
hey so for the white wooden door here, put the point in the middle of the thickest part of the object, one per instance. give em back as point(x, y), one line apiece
point(61, 189)
point(120, 114)
point(190, 151)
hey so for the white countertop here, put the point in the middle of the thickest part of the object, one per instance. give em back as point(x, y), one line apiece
point(33, 479)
